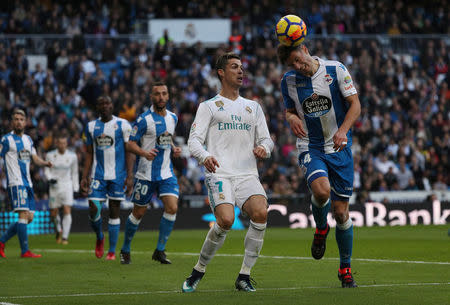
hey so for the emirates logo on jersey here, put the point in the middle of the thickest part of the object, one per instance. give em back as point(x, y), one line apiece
point(316, 105)
point(104, 141)
point(24, 155)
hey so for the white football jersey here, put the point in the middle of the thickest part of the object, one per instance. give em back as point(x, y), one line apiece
point(64, 170)
point(229, 131)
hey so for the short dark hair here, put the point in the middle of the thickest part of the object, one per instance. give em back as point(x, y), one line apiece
point(18, 111)
point(158, 83)
point(104, 97)
point(284, 52)
point(222, 61)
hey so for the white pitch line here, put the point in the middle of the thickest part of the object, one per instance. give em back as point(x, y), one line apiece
point(4, 303)
point(373, 260)
point(204, 291)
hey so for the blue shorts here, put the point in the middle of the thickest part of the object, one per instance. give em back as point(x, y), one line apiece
point(103, 189)
point(143, 190)
point(22, 198)
point(337, 167)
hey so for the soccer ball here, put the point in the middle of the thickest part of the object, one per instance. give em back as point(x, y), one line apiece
point(291, 30)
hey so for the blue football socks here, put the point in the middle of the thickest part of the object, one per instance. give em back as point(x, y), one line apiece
point(165, 228)
point(113, 233)
point(12, 230)
point(130, 229)
point(344, 239)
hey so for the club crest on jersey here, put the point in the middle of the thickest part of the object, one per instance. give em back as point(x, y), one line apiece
point(24, 155)
point(220, 104)
point(316, 105)
point(104, 141)
point(249, 110)
point(328, 79)
point(116, 126)
point(221, 196)
point(164, 140)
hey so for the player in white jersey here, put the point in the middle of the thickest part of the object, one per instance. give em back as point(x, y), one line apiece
point(234, 131)
point(63, 180)
point(321, 106)
point(153, 131)
point(106, 171)
point(17, 150)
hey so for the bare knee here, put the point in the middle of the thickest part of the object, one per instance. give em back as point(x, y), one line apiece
point(259, 215)
point(340, 214)
point(322, 194)
point(225, 222)
point(138, 211)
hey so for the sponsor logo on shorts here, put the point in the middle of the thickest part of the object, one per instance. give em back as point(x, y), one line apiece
point(221, 196)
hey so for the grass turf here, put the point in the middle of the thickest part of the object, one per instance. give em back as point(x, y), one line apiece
point(392, 265)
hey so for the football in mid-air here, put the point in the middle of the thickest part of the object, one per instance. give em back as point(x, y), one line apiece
point(291, 30)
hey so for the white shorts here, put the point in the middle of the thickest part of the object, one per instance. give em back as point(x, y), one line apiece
point(235, 190)
point(59, 197)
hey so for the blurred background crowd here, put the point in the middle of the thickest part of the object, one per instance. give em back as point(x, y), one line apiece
point(400, 142)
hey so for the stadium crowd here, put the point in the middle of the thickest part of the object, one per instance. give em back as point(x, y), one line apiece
point(400, 142)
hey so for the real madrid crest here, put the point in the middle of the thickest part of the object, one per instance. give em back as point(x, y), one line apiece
point(222, 196)
point(219, 103)
point(249, 110)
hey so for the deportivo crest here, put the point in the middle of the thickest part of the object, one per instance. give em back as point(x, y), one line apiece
point(316, 105)
point(328, 79)
point(249, 110)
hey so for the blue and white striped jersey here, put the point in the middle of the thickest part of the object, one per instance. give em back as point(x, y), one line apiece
point(320, 103)
point(108, 140)
point(154, 131)
point(16, 152)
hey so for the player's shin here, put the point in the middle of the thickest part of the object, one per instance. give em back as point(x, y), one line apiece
point(344, 239)
point(66, 225)
point(253, 244)
point(23, 234)
point(113, 233)
point(12, 230)
point(130, 229)
point(213, 242)
point(320, 212)
point(96, 218)
point(165, 228)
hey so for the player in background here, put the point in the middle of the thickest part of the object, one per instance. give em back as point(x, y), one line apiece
point(151, 141)
point(234, 131)
point(321, 106)
point(105, 171)
point(63, 180)
point(17, 150)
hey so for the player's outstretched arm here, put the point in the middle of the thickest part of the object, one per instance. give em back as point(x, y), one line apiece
point(340, 137)
point(295, 123)
point(41, 162)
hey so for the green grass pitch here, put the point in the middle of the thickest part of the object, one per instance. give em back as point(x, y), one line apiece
point(392, 265)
